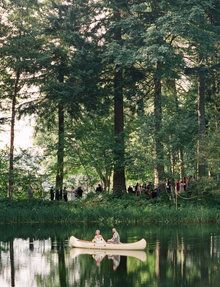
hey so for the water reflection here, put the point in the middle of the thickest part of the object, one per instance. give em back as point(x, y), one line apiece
point(186, 256)
point(12, 266)
point(112, 255)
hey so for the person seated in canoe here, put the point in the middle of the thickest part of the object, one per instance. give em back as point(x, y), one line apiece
point(115, 237)
point(98, 237)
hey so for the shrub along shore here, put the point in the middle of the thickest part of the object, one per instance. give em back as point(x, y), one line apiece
point(109, 210)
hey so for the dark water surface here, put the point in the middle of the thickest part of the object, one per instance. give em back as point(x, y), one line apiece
point(33, 256)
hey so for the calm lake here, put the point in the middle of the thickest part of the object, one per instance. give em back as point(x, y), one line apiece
point(33, 256)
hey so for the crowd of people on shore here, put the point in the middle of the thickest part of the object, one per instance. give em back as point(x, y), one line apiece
point(149, 189)
point(170, 185)
point(70, 194)
point(64, 194)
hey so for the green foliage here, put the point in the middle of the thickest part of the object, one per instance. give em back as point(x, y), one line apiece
point(26, 174)
point(69, 52)
point(3, 173)
point(108, 210)
point(93, 151)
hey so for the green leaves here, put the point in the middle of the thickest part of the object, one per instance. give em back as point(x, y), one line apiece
point(69, 53)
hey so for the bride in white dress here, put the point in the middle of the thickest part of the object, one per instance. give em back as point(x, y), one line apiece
point(98, 238)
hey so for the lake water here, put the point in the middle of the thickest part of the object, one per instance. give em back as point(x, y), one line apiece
point(33, 256)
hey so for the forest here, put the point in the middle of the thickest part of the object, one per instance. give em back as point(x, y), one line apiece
point(120, 91)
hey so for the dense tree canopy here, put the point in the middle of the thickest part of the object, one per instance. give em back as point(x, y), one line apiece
point(126, 90)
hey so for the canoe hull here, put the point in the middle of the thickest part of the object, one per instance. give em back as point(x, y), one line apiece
point(139, 245)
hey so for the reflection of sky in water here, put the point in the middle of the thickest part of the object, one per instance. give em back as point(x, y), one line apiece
point(28, 263)
point(32, 266)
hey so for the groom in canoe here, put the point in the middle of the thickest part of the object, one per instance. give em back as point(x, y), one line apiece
point(115, 237)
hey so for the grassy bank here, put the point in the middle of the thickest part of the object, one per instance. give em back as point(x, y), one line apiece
point(109, 210)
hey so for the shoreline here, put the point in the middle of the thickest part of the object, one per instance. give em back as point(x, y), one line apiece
point(107, 210)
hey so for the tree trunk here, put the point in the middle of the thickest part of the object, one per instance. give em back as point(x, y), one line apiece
point(12, 135)
point(181, 151)
point(31, 244)
point(106, 182)
point(172, 86)
point(60, 150)
point(119, 167)
point(202, 164)
point(170, 159)
point(181, 159)
point(119, 148)
point(159, 152)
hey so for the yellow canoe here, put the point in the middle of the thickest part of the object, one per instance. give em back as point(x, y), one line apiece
point(138, 245)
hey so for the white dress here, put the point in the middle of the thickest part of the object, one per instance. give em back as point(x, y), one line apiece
point(99, 240)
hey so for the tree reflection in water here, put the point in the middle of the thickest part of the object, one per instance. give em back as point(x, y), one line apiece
point(186, 256)
point(12, 264)
point(61, 263)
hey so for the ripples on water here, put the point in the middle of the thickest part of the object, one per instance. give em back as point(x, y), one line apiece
point(33, 256)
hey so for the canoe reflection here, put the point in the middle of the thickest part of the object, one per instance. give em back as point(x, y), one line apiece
point(114, 255)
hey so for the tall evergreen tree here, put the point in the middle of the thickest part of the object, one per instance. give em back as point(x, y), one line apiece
point(17, 50)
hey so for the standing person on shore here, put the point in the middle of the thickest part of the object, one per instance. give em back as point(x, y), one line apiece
point(177, 186)
point(182, 186)
point(144, 188)
point(138, 189)
point(185, 183)
point(99, 189)
point(61, 194)
point(57, 194)
point(51, 193)
point(79, 192)
point(130, 189)
point(148, 189)
point(154, 193)
point(168, 185)
point(65, 194)
point(30, 192)
point(72, 194)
